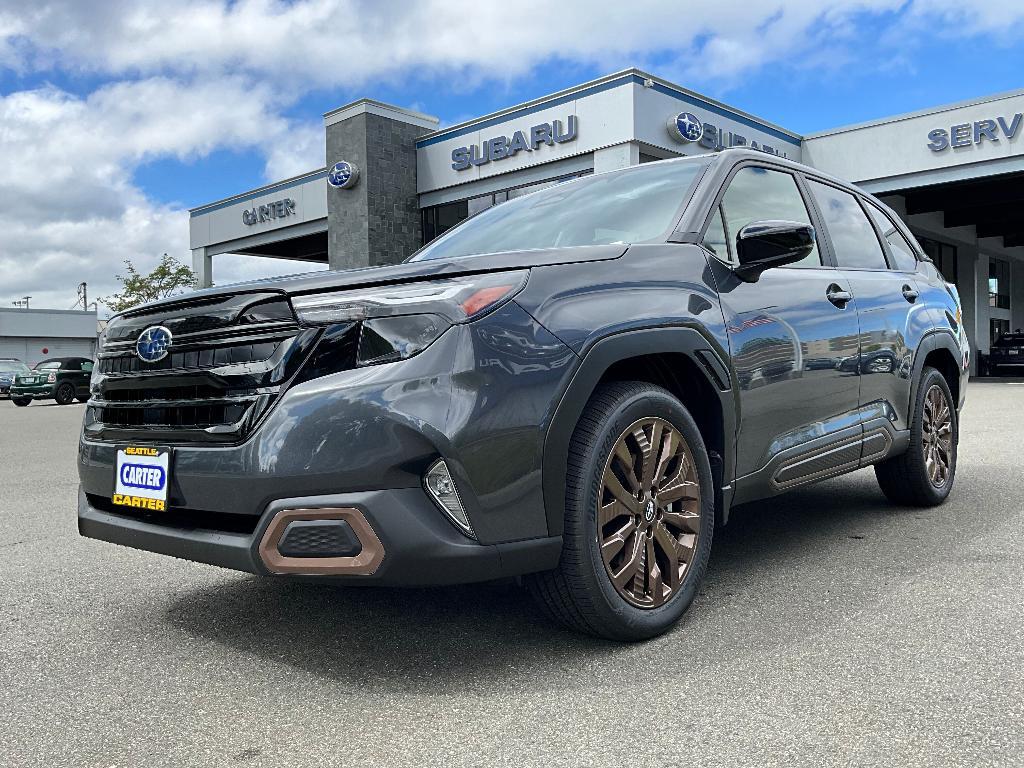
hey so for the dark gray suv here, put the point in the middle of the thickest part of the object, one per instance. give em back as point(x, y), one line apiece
point(573, 387)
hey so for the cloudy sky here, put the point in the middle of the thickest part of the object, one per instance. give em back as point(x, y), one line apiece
point(116, 117)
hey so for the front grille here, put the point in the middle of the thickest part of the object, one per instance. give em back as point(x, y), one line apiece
point(230, 359)
point(208, 357)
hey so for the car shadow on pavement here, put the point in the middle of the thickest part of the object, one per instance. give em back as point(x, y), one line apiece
point(465, 637)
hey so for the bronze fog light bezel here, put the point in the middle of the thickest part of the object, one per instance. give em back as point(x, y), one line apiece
point(364, 564)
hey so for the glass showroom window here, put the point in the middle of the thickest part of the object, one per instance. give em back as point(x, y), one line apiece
point(943, 256)
point(996, 328)
point(999, 283)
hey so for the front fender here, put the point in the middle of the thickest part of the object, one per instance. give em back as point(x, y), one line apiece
point(690, 340)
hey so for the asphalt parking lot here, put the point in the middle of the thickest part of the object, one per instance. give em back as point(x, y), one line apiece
point(833, 629)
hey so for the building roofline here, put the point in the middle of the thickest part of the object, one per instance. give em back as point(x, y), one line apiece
point(917, 113)
point(631, 72)
point(360, 106)
point(250, 193)
point(89, 312)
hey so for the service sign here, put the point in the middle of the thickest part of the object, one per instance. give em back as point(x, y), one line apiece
point(142, 477)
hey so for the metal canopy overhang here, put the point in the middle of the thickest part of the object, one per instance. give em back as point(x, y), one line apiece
point(311, 247)
point(994, 205)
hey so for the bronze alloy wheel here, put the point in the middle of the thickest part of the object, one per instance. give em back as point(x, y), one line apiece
point(649, 511)
point(937, 442)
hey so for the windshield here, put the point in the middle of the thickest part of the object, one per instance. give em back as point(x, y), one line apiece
point(630, 206)
point(12, 366)
point(48, 365)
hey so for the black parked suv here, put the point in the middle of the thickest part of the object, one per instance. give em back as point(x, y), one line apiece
point(1006, 354)
point(572, 387)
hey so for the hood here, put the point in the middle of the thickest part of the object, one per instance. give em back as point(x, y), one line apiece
point(262, 303)
point(314, 282)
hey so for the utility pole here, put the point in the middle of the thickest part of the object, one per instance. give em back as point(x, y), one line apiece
point(83, 295)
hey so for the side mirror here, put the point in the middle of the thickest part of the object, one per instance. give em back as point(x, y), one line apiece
point(762, 245)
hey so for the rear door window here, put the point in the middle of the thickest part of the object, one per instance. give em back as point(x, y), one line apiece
point(853, 238)
point(759, 194)
point(902, 251)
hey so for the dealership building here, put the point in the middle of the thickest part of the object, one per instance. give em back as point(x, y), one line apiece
point(395, 180)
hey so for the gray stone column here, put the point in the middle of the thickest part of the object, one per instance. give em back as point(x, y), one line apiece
point(377, 220)
point(202, 266)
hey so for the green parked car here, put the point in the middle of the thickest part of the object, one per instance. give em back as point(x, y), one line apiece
point(62, 379)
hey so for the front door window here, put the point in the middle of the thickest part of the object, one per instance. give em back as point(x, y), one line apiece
point(759, 194)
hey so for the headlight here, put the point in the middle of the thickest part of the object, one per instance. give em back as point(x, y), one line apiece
point(454, 299)
point(398, 321)
point(51, 378)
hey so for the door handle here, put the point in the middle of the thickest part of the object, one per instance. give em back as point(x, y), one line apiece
point(838, 296)
point(910, 293)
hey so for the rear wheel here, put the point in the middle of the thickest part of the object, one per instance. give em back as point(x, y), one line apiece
point(21, 402)
point(65, 394)
point(639, 517)
point(923, 476)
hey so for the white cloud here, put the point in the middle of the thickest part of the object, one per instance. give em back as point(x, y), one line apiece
point(71, 212)
point(183, 79)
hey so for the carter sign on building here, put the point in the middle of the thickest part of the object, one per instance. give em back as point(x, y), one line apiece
point(279, 209)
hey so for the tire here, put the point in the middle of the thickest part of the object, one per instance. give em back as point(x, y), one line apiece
point(65, 394)
point(21, 402)
point(580, 592)
point(906, 480)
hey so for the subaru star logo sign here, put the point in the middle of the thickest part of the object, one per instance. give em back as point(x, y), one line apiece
point(153, 344)
point(343, 175)
point(686, 127)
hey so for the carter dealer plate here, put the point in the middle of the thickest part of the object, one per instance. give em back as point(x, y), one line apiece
point(141, 478)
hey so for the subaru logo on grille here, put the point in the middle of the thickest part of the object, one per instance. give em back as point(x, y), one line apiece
point(686, 126)
point(153, 344)
point(343, 175)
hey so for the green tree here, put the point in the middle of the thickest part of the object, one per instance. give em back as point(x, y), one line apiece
point(169, 278)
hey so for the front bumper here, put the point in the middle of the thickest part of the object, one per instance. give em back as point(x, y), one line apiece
point(34, 391)
point(419, 547)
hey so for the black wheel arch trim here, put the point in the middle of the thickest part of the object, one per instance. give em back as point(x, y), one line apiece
point(938, 338)
point(708, 359)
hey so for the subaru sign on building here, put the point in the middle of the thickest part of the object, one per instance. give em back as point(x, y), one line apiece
point(396, 179)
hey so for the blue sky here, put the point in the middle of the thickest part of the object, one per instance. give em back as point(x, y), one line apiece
point(119, 115)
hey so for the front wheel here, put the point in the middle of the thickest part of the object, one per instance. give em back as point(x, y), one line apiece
point(21, 402)
point(639, 517)
point(923, 476)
